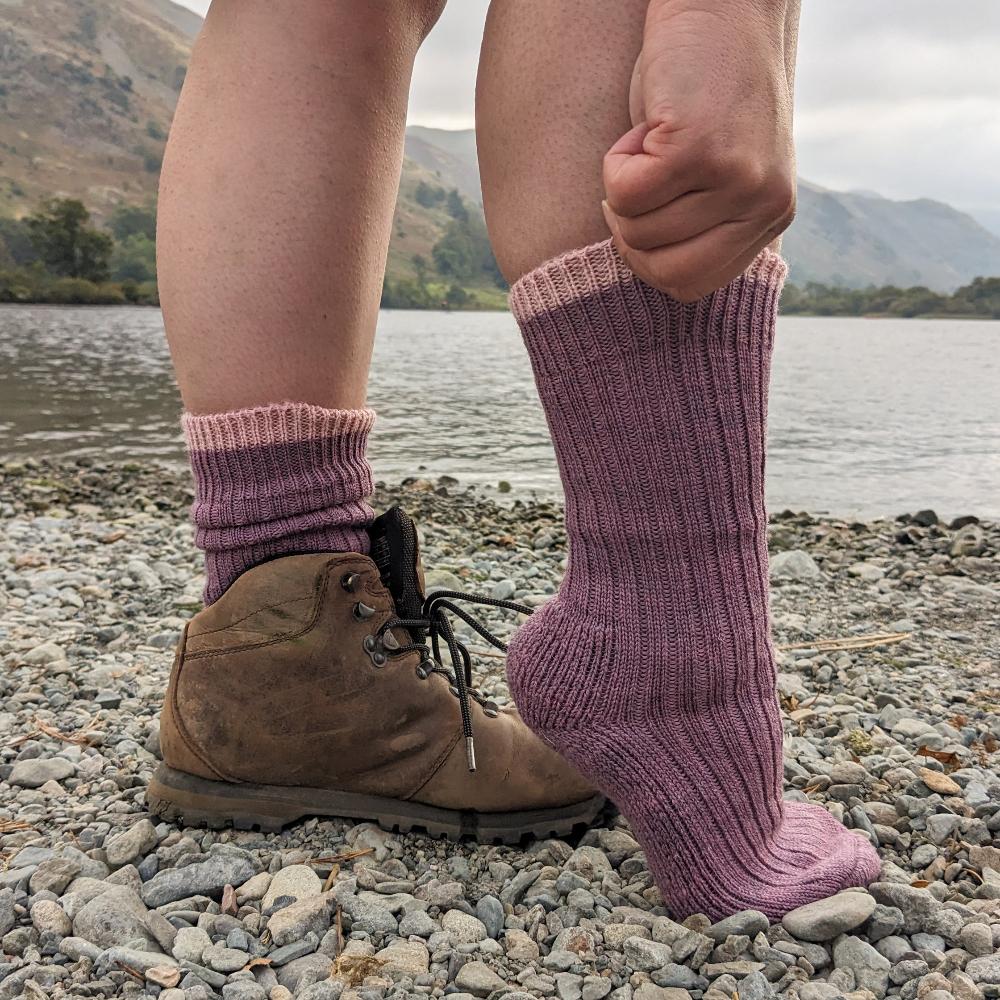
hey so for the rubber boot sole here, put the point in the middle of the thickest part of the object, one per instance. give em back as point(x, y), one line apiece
point(184, 798)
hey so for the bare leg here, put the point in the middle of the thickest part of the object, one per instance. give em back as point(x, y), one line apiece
point(277, 195)
point(553, 96)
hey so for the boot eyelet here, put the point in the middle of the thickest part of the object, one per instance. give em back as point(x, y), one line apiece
point(379, 659)
point(422, 673)
point(490, 710)
point(453, 690)
point(370, 644)
point(363, 611)
point(350, 581)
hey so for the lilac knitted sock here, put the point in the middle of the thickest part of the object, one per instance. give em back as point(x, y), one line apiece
point(277, 480)
point(652, 670)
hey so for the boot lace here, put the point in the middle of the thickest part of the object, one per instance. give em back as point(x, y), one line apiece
point(435, 625)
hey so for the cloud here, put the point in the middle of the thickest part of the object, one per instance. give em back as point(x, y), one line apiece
point(900, 96)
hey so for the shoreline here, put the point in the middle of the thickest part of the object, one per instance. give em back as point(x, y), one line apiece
point(936, 316)
point(888, 648)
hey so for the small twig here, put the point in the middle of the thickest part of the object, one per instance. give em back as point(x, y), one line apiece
point(848, 642)
point(130, 970)
point(489, 654)
point(328, 881)
point(10, 825)
point(79, 738)
point(336, 859)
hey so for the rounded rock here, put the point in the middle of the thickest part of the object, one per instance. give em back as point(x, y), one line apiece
point(464, 928)
point(47, 915)
point(824, 919)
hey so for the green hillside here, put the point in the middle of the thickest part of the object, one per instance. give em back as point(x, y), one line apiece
point(88, 93)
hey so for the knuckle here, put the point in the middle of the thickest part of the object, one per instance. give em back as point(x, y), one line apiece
point(622, 194)
point(636, 235)
point(777, 194)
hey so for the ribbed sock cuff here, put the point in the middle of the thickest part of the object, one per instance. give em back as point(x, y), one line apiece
point(586, 307)
point(276, 480)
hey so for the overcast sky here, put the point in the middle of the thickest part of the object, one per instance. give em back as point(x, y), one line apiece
point(901, 97)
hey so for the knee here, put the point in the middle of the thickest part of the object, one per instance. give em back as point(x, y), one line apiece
point(381, 20)
point(414, 16)
point(425, 13)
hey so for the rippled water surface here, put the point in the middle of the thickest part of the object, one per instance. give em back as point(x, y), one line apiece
point(868, 416)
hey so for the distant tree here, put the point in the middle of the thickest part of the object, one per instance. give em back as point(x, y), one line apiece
point(981, 298)
point(65, 242)
point(15, 238)
point(134, 259)
point(918, 301)
point(457, 297)
point(464, 253)
point(429, 195)
point(404, 294)
point(421, 267)
point(455, 206)
point(88, 25)
point(154, 131)
point(132, 220)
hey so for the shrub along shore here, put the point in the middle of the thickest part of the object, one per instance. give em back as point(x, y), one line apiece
point(57, 256)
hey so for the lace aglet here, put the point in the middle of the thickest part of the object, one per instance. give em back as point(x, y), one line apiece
point(470, 753)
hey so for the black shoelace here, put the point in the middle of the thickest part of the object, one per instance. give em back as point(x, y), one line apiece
point(434, 622)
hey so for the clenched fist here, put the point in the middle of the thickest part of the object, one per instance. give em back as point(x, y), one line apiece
point(706, 177)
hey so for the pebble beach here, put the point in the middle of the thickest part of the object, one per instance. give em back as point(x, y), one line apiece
point(889, 660)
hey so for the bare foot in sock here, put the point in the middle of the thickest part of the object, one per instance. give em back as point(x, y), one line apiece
point(653, 670)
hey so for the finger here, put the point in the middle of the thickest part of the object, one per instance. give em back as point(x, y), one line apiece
point(636, 102)
point(697, 266)
point(723, 275)
point(684, 218)
point(637, 180)
point(709, 283)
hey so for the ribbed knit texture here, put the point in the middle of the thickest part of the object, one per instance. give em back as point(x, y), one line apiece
point(277, 480)
point(653, 670)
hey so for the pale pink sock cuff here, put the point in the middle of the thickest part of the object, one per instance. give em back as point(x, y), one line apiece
point(276, 423)
point(276, 480)
point(594, 269)
point(587, 307)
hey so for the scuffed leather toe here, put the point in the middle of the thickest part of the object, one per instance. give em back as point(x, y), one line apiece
point(515, 772)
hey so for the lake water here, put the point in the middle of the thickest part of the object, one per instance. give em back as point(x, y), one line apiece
point(868, 417)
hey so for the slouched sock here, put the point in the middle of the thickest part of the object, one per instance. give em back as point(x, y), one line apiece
point(277, 480)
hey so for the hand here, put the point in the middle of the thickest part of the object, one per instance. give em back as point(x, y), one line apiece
point(706, 177)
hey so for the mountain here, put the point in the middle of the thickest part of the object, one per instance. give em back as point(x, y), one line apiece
point(856, 238)
point(449, 154)
point(848, 238)
point(89, 88)
point(87, 94)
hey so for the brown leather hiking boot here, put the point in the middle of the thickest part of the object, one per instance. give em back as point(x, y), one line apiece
point(308, 689)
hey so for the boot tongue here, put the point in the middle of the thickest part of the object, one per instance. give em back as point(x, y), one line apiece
point(395, 551)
